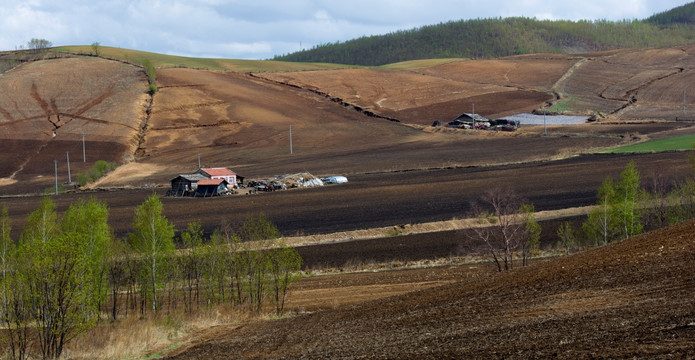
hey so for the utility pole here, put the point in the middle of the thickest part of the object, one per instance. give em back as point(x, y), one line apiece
point(683, 101)
point(291, 152)
point(67, 155)
point(55, 165)
point(545, 130)
point(199, 162)
point(84, 157)
point(473, 116)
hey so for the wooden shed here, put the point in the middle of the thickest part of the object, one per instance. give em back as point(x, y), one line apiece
point(212, 187)
point(184, 184)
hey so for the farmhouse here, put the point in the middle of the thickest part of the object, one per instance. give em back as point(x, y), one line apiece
point(211, 187)
point(220, 173)
point(190, 184)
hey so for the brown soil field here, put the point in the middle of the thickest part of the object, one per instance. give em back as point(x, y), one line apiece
point(651, 80)
point(631, 299)
point(48, 105)
point(339, 118)
point(421, 96)
point(382, 199)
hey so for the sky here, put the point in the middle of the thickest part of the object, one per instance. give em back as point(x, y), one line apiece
point(261, 29)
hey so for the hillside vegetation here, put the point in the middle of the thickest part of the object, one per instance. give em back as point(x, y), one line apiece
point(172, 61)
point(491, 38)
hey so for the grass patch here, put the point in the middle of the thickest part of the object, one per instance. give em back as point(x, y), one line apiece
point(418, 64)
point(99, 169)
point(52, 190)
point(161, 61)
point(671, 144)
point(563, 105)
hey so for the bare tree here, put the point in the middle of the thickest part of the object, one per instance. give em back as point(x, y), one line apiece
point(39, 46)
point(96, 48)
point(501, 225)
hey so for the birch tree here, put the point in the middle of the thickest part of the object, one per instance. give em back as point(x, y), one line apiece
point(599, 224)
point(153, 240)
point(283, 264)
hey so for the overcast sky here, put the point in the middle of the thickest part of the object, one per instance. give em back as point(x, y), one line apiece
point(260, 29)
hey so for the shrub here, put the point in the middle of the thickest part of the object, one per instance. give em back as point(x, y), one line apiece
point(151, 75)
point(98, 170)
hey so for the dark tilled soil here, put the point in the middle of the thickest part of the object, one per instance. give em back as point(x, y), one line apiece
point(381, 199)
point(629, 299)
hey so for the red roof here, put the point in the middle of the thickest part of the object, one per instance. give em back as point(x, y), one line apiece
point(219, 172)
point(204, 182)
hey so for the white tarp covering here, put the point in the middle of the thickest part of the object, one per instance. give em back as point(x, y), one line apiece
point(532, 119)
point(298, 180)
point(335, 180)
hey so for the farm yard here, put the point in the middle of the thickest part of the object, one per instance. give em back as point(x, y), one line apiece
point(441, 296)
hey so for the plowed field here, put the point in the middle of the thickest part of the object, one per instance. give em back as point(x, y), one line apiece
point(629, 299)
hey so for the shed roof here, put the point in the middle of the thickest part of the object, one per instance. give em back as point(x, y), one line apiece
point(218, 171)
point(475, 117)
point(214, 182)
point(191, 177)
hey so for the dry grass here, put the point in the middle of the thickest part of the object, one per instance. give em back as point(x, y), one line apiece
point(407, 229)
point(135, 338)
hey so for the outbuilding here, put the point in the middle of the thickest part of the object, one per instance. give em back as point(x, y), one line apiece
point(185, 184)
point(468, 121)
point(212, 187)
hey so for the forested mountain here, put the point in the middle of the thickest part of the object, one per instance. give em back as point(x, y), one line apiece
point(681, 15)
point(490, 38)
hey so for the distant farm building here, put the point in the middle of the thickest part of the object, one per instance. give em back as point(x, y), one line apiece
point(185, 184)
point(212, 187)
point(205, 182)
point(469, 121)
point(221, 173)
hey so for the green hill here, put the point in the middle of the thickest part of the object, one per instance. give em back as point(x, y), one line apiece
point(167, 61)
point(491, 38)
point(681, 15)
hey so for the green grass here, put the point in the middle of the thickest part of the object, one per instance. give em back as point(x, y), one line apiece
point(162, 61)
point(671, 144)
point(563, 105)
point(417, 64)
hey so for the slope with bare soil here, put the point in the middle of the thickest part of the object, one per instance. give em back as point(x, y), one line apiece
point(635, 84)
point(243, 122)
point(421, 96)
point(632, 298)
point(48, 105)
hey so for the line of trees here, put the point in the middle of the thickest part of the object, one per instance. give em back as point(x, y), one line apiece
point(65, 272)
point(625, 208)
point(492, 38)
